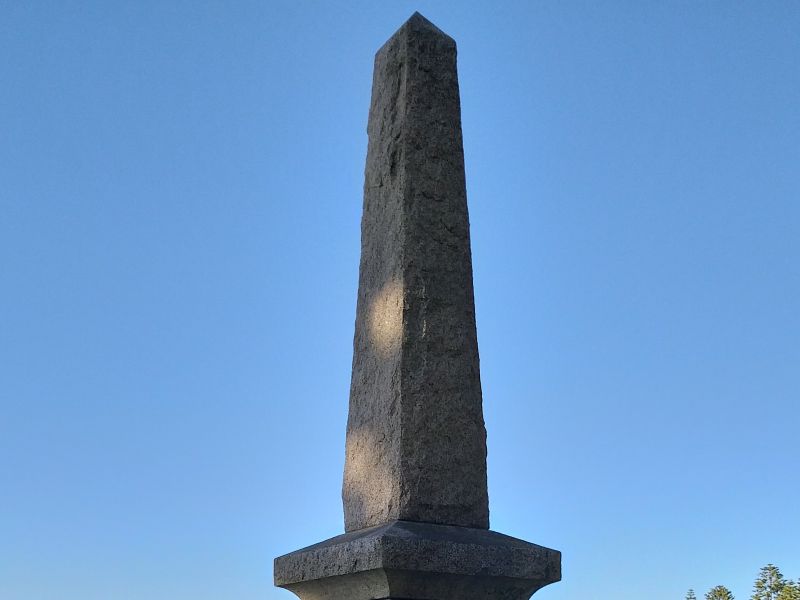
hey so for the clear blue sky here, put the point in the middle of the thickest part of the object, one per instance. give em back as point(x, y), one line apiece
point(179, 235)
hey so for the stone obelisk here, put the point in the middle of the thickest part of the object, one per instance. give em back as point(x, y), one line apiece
point(415, 496)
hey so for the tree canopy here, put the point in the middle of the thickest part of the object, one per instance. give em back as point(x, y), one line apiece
point(719, 592)
point(770, 584)
point(790, 591)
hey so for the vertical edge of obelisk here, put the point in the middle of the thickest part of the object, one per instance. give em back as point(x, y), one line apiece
point(443, 434)
point(373, 455)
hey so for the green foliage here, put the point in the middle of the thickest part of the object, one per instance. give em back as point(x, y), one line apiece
point(769, 584)
point(719, 592)
point(790, 591)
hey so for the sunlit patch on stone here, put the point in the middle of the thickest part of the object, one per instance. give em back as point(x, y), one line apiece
point(386, 319)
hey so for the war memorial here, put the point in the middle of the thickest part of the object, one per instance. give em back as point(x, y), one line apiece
point(416, 508)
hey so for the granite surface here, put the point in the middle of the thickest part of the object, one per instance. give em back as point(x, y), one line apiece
point(416, 442)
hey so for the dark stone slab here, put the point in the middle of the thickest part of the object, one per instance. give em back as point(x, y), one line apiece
point(405, 559)
point(416, 442)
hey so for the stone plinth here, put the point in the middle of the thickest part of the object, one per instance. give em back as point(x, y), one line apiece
point(405, 559)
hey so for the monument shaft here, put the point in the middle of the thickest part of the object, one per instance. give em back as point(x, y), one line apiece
point(416, 442)
point(414, 493)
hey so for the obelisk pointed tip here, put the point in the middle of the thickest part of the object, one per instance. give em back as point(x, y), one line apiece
point(417, 22)
point(419, 19)
point(416, 26)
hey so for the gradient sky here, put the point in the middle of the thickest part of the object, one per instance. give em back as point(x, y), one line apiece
point(180, 200)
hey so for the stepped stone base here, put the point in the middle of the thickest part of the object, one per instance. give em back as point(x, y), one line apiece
point(418, 561)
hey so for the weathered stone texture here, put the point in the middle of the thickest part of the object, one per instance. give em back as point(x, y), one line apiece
point(416, 442)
